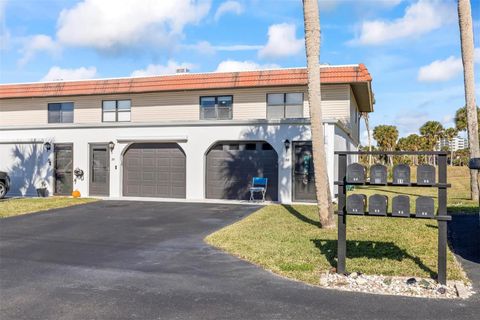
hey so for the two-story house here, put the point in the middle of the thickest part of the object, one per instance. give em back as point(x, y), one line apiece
point(191, 136)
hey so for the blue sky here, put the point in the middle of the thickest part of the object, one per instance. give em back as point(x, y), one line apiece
point(411, 47)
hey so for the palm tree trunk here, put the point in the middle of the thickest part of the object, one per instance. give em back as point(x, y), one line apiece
point(466, 39)
point(312, 48)
point(366, 118)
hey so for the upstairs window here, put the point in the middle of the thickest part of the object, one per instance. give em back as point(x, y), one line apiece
point(60, 112)
point(284, 105)
point(116, 110)
point(216, 108)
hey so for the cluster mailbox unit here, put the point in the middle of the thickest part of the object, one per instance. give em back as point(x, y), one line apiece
point(401, 206)
point(377, 204)
point(425, 174)
point(401, 174)
point(378, 174)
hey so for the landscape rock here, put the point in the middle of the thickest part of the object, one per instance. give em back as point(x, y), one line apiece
point(413, 287)
point(463, 291)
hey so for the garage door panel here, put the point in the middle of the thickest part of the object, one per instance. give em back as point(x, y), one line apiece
point(230, 172)
point(155, 170)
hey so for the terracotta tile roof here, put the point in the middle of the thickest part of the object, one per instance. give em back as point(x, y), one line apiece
point(260, 78)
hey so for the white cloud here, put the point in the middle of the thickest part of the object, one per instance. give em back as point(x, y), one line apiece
point(282, 42)
point(229, 6)
point(58, 74)
point(420, 18)
point(158, 69)
point(388, 3)
point(3, 4)
point(364, 138)
point(206, 47)
point(444, 70)
point(36, 44)
point(409, 122)
point(107, 26)
point(234, 65)
point(440, 70)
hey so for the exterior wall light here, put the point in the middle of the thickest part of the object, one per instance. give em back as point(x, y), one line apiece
point(287, 144)
point(47, 146)
point(111, 145)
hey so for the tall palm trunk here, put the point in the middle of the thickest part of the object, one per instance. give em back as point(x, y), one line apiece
point(466, 38)
point(366, 118)
point(312, 47)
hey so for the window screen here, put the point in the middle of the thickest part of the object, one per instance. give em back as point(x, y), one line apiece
point(116, 110)
point(284, 105)
point(60, 112)
point(216, 108)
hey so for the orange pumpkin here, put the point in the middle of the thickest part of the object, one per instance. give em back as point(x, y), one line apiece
point(76, 194)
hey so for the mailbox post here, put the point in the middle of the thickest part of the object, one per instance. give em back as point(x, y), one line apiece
point(378, 204)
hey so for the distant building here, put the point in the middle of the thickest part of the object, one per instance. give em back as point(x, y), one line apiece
point(455, 144)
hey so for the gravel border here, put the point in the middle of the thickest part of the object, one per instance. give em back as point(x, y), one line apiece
point(399, 286)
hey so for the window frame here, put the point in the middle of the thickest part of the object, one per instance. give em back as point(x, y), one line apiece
point(216, 106)
point(61, 112)
point(285, 104)
point(116, 110)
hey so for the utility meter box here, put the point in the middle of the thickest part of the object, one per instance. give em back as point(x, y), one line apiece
point(378, 174)
point(425, 174)
point(401, 206)
point(356, 204)
point(424, 207)
point(356, 173)
point(401, 174)
point(377, 205)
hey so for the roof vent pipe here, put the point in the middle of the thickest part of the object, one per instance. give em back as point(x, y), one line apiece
point(182, 70)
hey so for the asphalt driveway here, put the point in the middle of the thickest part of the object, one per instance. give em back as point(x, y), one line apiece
point(147, 260)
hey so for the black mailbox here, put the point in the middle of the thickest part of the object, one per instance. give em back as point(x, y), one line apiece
point(355, 173)
point(356, 204)
point(378, 174)
point(474, 164)
point(401, 174)
point(425, 174)
point(377, 205)
point(424, 207)
point(401, 206)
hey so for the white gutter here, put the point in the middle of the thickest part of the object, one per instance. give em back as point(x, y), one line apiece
point(23, 141)
point(153, 139)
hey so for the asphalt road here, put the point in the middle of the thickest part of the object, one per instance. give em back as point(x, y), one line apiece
point(147, 260)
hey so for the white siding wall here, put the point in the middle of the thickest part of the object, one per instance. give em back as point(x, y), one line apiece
point(27, 165)
point(354, 117)
point(248, 103)
point(195, 141)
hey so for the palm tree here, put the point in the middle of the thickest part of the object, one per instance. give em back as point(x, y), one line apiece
point(386, 137)
point(450, 134)
point(466, 39)
point(461, 119)
point(312, 48)
point(366, 118)
point(433, 131)
point(412, 142)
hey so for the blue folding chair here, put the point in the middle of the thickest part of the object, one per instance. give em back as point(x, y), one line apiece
point(259, 185)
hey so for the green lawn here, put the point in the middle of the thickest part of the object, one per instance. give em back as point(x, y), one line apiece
point(287, 240)
point(18, 206)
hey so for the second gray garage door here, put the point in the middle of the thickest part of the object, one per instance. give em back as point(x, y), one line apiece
point(154, 170)
point(232, 165)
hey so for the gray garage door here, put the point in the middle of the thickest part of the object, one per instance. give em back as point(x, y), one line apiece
point(232, 165)
point(154, 170)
